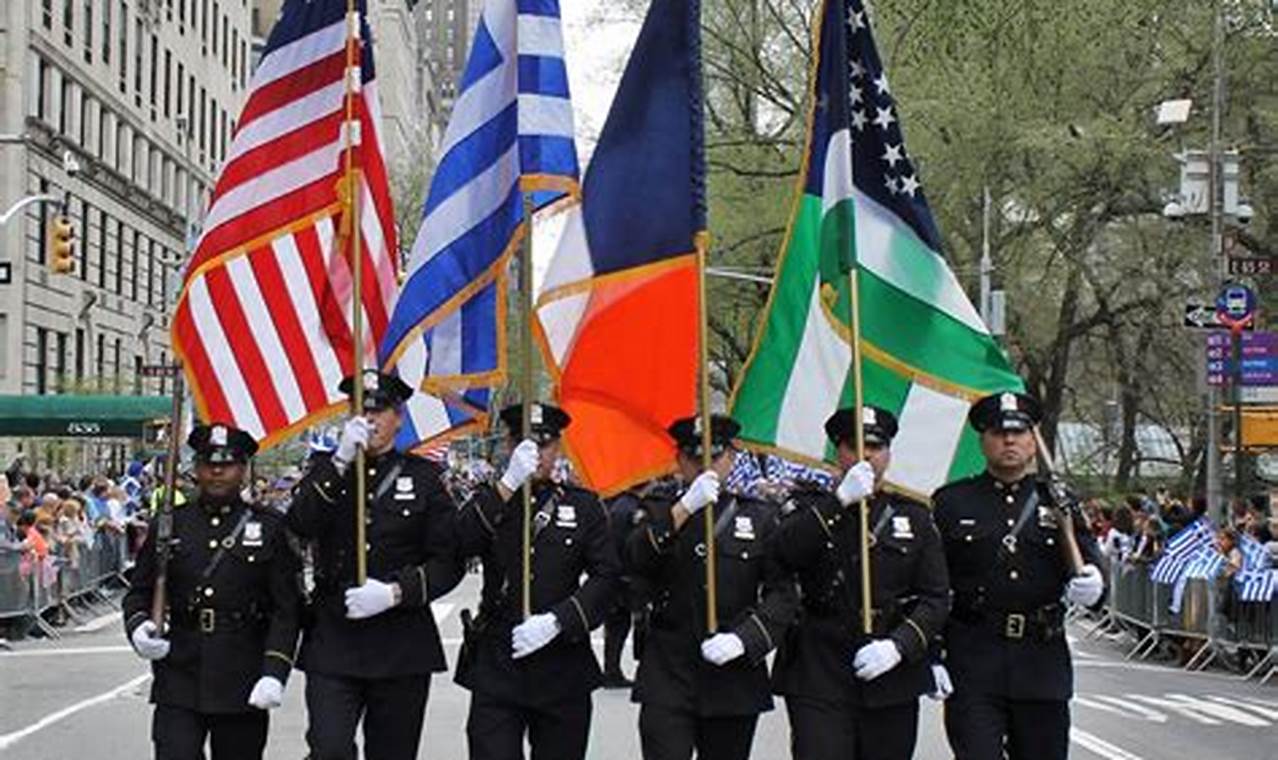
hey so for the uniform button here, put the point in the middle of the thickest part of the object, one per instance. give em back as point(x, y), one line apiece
point(532, 550)
point(1051, 541)
point(215, 522)
point(208, 591)
point(368, 520)
point(1010, 522)
point(745, 555)
point(405, 513)
point(212, 543)
point(829, 545)
point(968, 538)
point(252, 558)
point(1013, 575)
point(372, 470)
point(1010, 499)
point(568, 541)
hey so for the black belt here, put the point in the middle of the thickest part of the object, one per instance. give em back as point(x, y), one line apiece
point(1043, 624)
point(216, 620)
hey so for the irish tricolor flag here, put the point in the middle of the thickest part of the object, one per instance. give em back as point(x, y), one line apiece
point(926, 352)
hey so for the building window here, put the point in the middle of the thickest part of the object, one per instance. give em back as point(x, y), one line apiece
point(103, 127)
point(216, 12)
point(182, 16)
point(47, 16)
point(117, 365)
point(44, 222)
point(204, 26)
point(60, 368)
point(168, 81)
point(155, 73)
point(124, 46)
point(79, 355)
point(85, 208)
point(99, 356)
point(150, 274)
point(64, 111)
point(86, 118)
point(204, 120)
point(119, 258)
point(181, 77)
point(137, 375)
point(140, 40)
point(42, 90)
point(42, 361)
point(136, 259)
point(225, 43)
point(68, 22)
point(106, 34)
point(102, 248)
point(88, 31)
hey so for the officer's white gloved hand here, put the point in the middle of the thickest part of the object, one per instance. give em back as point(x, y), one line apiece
point(148, 643)
point(857, 484)
point(1087, 587)
point(722, 648)
point(355, 434)
point(875, 659)
point(268, 693)
point(523, 463)
point(373, 598)
point(704, 490)
point(942, 686)
point(533, 634)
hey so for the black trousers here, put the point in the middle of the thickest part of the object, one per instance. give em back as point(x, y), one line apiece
point(560, 730)
point(179, 734)
point(392, 708)
point(983, 727)
point(828, 730)
point(616, 626)
point(667, 734)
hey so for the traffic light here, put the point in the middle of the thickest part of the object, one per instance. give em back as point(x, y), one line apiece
point(61, 245)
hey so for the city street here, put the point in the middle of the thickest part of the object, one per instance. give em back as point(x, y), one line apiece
point(86, 696)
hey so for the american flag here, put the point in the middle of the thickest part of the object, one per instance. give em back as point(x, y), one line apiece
point(264, 323)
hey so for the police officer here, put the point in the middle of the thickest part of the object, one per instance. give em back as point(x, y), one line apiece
point(700, 691)
point(1005, 643)
point(849, 694)
point(534, 676)
point(232, 611)
point(369, 650)
point(624, 511)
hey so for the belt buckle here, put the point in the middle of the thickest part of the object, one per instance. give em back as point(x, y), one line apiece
point(1014, 627)
point(208, 620)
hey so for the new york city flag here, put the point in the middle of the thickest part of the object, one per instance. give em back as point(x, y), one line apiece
point(927, 354)
point(617, 309)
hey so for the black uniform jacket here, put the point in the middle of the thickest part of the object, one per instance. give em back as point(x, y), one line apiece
point(571, 538)
point(819, 539)
point(409, 540)
point(234, 627)
point(997, 592)
point(756, 601)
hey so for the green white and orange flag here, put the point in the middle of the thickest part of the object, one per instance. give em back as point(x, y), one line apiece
point(926, 352)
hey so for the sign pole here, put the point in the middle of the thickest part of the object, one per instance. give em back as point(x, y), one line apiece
point(1235, 335)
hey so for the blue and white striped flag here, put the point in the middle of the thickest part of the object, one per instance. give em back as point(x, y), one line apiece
point(511, 132)
point(1256, 585)
point(1255, 557)
point(1181, 549)
point(1206, 563)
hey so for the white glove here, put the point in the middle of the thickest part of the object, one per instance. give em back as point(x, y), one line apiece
point(148, 643)
point(373, 598)
point(533, 634)
point(704, 490)
point(355, 434)
point(1087, 587)
point(268, 693)
point(875, 659)
point(523, 463)
point(857, 484)
point(942, 686)
point(722, 648)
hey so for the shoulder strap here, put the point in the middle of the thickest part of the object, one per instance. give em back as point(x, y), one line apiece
point(226, 544)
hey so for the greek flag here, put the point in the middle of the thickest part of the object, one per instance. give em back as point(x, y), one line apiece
point(511, 132)
point(755, 474)
point(1256, 585)
point(1206, 563)
point(1181, 549)
point(1254, 555)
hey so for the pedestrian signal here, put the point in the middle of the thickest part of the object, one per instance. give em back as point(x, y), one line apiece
point(61, 245)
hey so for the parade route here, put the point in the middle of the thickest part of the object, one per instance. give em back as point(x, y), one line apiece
point(88, 694)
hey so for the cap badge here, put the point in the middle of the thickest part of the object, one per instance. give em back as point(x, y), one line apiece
point(696, 425)
point(1007, 402)
point(535, 416)
point(868, 416)
point(217, 436)
point(371, 381)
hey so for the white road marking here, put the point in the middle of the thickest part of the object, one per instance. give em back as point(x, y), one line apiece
point(66, 651)
point(1126, 704)
point(1099, 746)
point(10, 739)
point(1268, 712)
point(1120, 708)
point(1189, 710)
point(1222, 711)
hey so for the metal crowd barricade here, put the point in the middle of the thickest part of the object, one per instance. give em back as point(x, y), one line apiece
point(28, 596)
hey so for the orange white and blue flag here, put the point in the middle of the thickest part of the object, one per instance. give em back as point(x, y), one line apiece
point(617, 310)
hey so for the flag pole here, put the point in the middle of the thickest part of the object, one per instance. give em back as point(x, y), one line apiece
point(350, 222)
point(526, 393)
point(854, 314)
point(703, 365)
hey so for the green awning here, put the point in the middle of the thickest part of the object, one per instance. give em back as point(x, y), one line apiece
point(80, 416)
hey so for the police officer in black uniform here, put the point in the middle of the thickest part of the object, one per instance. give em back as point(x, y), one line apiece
point(535, 676)
point(369, 650)
point(1005, 648)
point(851, 695)
point(233, 611)
point(700, 691)
point(624, 512)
